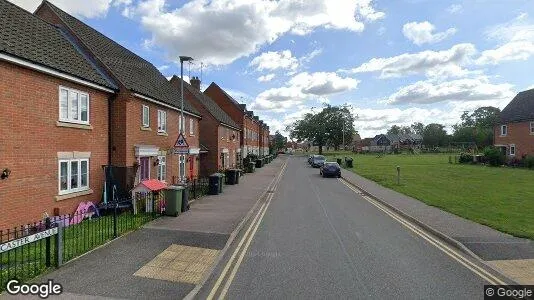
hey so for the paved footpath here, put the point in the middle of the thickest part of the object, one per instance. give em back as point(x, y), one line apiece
point(195, 238)
point(512, 256)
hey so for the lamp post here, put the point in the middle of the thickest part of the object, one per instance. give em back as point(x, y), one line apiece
point(182, 123)
point(182, 59)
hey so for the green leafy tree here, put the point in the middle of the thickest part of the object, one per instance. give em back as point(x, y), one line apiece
point(395, 129)
point(325, 128)
point(435, 135)
point(477, 126)
point(278, 142)
point(418, 128)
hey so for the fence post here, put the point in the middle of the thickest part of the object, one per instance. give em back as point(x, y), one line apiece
point(194, 189)
point(59, 245)
point(115, 220)
point(47, 244)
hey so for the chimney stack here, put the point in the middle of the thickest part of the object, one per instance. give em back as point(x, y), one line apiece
point(195, 82)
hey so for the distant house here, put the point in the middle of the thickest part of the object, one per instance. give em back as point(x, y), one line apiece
point(220, 134)
point(515, 133)
point(390, 142)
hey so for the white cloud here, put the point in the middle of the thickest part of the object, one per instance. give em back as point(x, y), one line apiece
point(310, 56)
point(302, 87)
point(220, 31)
point(371, 122)
point(87, 9)
point(455, 8)
point(322, 83)
point(265, 78)
point(163, 68)
point(517, 41)
point(518, 29)
point(425, 62)
point(520, 50)
point(460, 90)
point(275, 60)
point(423, 33)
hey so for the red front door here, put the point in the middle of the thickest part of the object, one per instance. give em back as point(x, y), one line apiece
point(191, 166)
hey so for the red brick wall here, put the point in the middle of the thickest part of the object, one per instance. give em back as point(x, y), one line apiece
point(127, 119)
point(30, 140)
point(518, 134)
point(226, 104)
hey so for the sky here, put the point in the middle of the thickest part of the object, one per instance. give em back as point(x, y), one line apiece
point(394, 62)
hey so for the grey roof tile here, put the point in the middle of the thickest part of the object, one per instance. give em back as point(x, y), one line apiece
point(210, 105)
point(28, 37)
point(520, 109)
point(134, 72)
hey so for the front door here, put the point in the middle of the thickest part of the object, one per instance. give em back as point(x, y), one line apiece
point(144, 168)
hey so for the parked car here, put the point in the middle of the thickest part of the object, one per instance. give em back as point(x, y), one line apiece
point(330, 169)
point(317, 161)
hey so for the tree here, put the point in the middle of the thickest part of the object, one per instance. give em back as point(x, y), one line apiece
point(279, 141)
point(418, 128)
point(395, 129)
point(325, 128)
point(405, 130)
point(435, 135)
point(478, 126)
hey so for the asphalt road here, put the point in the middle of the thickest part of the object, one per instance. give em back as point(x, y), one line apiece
point(319, 239)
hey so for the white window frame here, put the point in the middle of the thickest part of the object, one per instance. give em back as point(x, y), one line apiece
point(162, 121)
point(162, 168)
point(532, 128)
point(80, 188)
point(504, 130)
point(191, 127)
point(69, 118)
point(147, 115)
point(512, 146)
point(181, 166)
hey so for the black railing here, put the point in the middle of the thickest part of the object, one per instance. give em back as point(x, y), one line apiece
point(198, 187)
point(30, 250)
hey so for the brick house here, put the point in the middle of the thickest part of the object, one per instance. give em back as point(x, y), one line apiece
point(263, 138)
point(54, 116)
point(515, 133)
point(240, 115)
point(145, 114)
point(220, 134)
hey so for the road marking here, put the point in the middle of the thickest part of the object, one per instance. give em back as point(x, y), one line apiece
point(432, 240)
point(246, 239)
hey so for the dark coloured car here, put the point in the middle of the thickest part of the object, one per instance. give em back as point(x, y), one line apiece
point(317, 161)
point(310, 159)
point(330, 169)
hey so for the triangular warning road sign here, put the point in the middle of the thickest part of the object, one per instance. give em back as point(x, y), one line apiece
point(181, 143)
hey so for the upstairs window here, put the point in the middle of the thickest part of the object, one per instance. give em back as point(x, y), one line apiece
point(191, 126)
point(146, 116)
point(162, 121)
point(73, 106)
point(504, 130)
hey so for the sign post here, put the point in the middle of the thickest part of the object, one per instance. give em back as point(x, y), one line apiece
point(181, 148)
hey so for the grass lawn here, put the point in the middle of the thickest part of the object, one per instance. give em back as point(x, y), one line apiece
point(502, 198)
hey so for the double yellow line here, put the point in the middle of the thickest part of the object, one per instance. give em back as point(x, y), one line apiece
point(429, 238)
point(243, 245)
